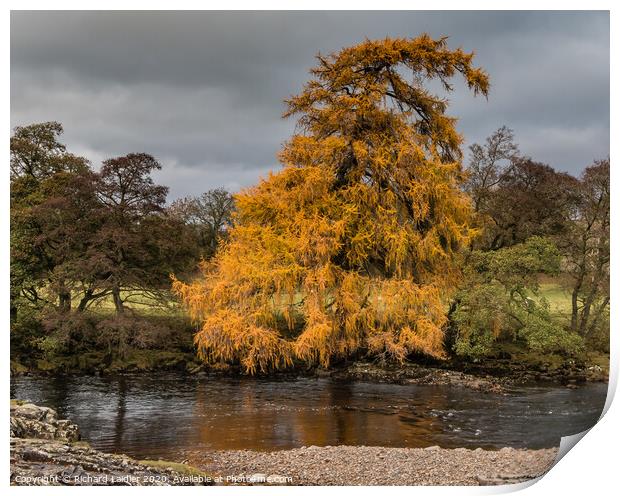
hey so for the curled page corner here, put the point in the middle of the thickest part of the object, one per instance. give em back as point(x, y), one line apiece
point(567, 443)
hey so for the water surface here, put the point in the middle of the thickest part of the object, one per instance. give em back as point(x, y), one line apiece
point(172, 416)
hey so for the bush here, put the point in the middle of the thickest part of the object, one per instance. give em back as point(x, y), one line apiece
point(120, 333)
point(66, 333)
point(26, 329)
point(479, 318)
point(50, 334)
point(542, 334)
point(500, 300)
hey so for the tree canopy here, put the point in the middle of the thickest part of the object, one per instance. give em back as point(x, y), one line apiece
point(76, 233)
point(352, 245)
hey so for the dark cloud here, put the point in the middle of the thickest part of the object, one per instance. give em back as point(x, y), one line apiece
point(203, 91)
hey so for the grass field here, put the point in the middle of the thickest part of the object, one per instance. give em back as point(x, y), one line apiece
point(556, 294)
point(559, 298)
point(138, 301)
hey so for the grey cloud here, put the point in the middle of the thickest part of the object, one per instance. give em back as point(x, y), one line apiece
point(203, 91)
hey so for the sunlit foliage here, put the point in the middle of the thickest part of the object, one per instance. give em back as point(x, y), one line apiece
point(352, 246)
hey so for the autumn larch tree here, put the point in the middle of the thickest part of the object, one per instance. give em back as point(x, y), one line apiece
point(352, 246)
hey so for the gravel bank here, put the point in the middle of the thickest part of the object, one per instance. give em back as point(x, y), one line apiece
point(365, 465)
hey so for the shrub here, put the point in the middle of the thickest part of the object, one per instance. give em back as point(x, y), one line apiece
point(479, 318)
point(542, 334)
point(66, 333)
point(500, 300)
point(25, 331)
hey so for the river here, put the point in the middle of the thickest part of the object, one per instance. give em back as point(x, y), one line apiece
point(172, 416)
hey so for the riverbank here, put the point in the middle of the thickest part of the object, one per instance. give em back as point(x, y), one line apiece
point(369, 465)
point(491, 375)
point(47, 451)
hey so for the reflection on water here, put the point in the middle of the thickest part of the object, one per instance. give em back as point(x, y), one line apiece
point(173, 415)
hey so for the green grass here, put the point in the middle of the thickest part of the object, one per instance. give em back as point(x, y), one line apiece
point(140, 301)
point(559, 298)
point(550, 288)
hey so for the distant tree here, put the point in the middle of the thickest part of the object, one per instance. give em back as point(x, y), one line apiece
point(586, 245)
point(514, 196)
point(353, 245)
point(532, 199)
point(488, 164)
point(37, 154)
point(208, 215)
point(517, 198)
point(77, 237)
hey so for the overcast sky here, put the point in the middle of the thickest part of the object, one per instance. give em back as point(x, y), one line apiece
point(203, 91)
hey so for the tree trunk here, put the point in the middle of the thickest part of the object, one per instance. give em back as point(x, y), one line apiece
point(575, 303)
point(118, 302)
point(13, 312)
point(85, 299)
point(451, 333)
point(599, 312)
point(64, 301)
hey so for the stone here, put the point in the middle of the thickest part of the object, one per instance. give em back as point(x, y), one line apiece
point(44, 452)
point(32, 421)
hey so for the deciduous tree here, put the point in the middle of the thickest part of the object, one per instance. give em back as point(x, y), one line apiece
point(52, 216)
point(515, 197)
point(138, 244)
point(488, 164)
point(500, 299)
point(208, 216)
point(586, 245)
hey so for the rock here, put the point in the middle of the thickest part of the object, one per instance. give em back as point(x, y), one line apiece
point(503, 479)
point(412, 373)
point(44, 462)
point(44, 452)
point(32, 421)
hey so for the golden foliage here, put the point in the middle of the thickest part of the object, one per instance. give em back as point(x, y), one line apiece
point(352, 245)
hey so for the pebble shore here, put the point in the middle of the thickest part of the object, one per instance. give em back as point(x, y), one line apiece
point(369, 465)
